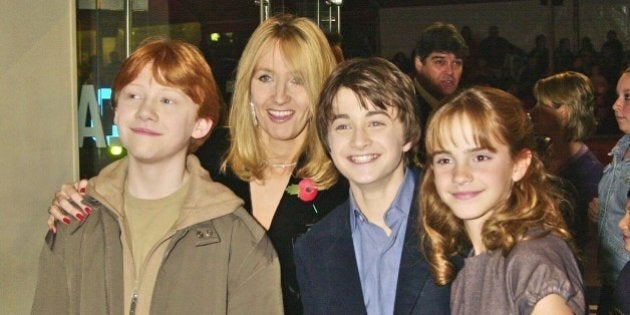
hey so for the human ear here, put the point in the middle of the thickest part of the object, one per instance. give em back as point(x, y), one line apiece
point(417, 64)
point(521, 164)
point(202, 127)
point(406, 147)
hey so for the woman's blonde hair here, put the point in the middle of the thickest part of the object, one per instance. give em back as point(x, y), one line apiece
point(307, 51)
point(575, 91)
point(496, 117)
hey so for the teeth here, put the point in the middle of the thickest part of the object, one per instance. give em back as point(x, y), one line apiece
point(363, 158)
point(280, 113)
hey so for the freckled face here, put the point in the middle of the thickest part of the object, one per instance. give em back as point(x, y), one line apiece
point(281, 100)
point(156, 122)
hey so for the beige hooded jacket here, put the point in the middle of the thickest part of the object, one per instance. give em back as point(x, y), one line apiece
point(217, 261)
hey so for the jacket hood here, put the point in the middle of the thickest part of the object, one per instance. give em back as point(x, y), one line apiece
point(108, 188)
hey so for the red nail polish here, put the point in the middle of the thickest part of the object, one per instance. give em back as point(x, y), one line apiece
point(66, 221)
point(88, 210)
point(80, 216)
point(82, 190)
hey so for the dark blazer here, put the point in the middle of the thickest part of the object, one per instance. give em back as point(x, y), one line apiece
point(329, 278)
point(292, 218)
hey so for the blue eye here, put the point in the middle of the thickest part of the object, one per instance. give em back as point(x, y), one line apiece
point(264, 78)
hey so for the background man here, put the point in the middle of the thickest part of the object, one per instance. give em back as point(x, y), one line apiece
point(438, 59)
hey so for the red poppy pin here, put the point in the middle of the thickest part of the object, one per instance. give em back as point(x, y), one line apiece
point(305, 190)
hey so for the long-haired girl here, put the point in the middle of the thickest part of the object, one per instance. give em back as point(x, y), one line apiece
point(486, 195)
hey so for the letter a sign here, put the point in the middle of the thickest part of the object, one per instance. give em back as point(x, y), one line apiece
point(95, 128)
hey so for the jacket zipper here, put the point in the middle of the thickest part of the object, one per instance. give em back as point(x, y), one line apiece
point(134, 302)
point(135, 295)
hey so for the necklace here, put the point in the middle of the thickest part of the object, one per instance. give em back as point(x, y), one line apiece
point(281, 165)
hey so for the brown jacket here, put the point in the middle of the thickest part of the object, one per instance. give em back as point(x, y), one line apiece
point(217, 261)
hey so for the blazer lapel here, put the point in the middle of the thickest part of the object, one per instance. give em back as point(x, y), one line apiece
point(341, 265)
point(413, 274)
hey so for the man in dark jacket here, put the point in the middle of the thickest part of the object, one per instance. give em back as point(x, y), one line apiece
point(438, 59)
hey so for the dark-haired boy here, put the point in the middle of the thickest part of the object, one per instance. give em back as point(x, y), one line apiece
point(364, 257)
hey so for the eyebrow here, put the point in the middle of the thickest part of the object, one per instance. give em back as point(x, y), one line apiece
point(472, 150)
point(438, 55)
point(370, 113)
point(339, 116)
point(264, 69)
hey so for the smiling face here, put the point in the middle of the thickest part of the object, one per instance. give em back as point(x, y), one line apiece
point(366, 145)
point(157, 122)
point(280, 98)
point(622, 103)
point(442, 70)
point(472, 180)
point(624, 225)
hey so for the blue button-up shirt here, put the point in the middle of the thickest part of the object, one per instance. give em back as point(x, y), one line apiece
point(378, 255)
point(613, 188)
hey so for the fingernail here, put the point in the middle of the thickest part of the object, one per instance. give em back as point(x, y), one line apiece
point(66, 221)
point(80, 216)
point(82, 190)
point(88, 210)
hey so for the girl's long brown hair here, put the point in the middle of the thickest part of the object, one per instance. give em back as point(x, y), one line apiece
point(496, 117)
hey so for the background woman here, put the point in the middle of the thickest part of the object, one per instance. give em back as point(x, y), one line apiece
point(273, 143)
point(485, 186)
point(569, 98)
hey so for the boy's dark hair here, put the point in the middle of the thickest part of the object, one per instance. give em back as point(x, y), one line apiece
point(376, 81)
point(440, 37)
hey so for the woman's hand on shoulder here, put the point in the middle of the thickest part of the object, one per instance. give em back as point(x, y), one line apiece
point(68, 202)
